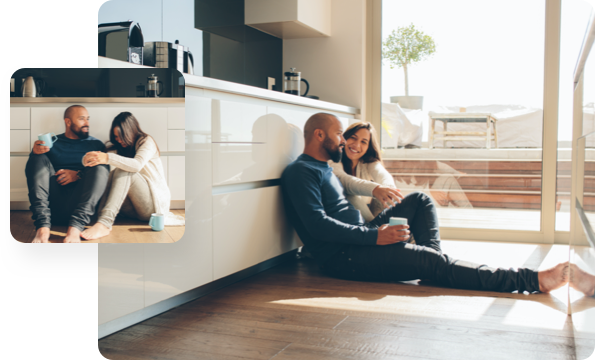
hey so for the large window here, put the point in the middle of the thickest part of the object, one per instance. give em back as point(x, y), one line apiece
point(474, 142)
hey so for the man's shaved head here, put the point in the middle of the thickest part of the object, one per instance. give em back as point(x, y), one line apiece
point(320, 121)
point(68, 113)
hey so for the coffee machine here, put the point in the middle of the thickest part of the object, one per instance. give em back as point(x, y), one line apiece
point(163, 54)
point(121, 41)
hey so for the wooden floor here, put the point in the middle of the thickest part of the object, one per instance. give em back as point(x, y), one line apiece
point(124, 230)
point(294, 312)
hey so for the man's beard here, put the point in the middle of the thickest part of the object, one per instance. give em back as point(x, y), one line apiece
point(80, 133)
point(333, 151)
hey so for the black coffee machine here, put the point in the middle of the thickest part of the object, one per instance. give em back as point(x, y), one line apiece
point(161, 54)
point(121, 41)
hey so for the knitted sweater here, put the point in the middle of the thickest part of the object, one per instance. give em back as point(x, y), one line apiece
point(148, 164)
point(368, 175)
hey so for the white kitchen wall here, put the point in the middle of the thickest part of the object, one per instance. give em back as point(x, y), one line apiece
point(334, 66)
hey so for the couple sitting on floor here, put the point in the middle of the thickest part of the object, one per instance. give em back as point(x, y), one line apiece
point(63, 190)
point(349, 236)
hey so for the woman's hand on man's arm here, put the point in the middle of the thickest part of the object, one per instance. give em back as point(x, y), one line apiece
point(387, 196)
point(94, 158)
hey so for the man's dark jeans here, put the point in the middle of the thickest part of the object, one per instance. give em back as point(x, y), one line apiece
point(73, 204)
point(404, 262)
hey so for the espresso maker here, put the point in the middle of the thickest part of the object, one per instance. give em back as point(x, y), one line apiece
point(292, 81)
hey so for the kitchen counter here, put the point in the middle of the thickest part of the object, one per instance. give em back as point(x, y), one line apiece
point(94, 100)
point(202, 82)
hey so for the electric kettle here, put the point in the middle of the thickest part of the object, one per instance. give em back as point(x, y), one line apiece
point(32, 87)
point(292, 81)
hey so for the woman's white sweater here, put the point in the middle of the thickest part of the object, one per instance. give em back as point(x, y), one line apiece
point(359, 188)
point(148, 163)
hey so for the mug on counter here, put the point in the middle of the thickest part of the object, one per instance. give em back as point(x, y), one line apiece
point(48, 139)
point(157, 222)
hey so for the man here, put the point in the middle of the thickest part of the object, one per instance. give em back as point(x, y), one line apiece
point(69, 195)
point(344, 246)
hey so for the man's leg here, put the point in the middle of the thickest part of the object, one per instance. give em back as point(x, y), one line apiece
point(38, 171)
point(87, 194)
point(404, 262)
point(421, 216)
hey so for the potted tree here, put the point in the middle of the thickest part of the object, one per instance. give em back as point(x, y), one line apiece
point(405, 46)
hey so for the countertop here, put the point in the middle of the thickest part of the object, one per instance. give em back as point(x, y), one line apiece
point(201, 82)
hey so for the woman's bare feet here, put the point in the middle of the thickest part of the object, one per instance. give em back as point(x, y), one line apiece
point(73, 235)
point(553, 278)
point(95, 232)
point(42, 235)
point(582, 280)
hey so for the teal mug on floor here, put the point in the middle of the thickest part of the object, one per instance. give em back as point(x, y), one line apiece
point(157, 222)
point(397, 221)
point(48, 139)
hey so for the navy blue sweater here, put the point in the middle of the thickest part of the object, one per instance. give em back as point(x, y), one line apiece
point(68, 153)
point(317, 209)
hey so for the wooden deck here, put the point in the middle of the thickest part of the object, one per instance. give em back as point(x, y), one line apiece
point(487, 183)
point(294, 312)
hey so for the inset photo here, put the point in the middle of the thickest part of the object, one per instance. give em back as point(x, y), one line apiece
point(97, 155)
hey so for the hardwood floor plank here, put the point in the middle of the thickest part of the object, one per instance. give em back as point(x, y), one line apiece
point(120, 350)
point(140, 336)
point(124, 230)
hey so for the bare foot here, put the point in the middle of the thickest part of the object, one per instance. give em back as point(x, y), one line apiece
point(73, 235)
point(582, 280)
point(42, 235)
point(553, 278)
point(95, 232)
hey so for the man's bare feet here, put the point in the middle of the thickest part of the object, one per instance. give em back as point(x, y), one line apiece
point(553, 278)
point(42, 235)
point(95, 232)
point(582, 280)
point(73, 235)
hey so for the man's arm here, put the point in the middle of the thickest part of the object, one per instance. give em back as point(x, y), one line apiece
point(303, 189)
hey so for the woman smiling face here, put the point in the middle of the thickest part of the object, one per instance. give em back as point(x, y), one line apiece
point(357, 145)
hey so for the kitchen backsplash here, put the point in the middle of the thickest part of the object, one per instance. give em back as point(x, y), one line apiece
point(233, 51)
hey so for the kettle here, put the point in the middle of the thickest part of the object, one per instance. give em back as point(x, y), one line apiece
point(292, 81)
point(32, 87)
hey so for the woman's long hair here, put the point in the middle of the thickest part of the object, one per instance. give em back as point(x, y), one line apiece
point(373, 153)
point(130, 134)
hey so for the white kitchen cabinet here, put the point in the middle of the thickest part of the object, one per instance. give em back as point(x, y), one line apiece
point(238, 121)
point(249, 227)
point(176, 176)
point(239, 163)
point(289, 19)
point(176, 118)
point(121, 280)
point(176, 140)
point(20, 118)
point(18, 180)
point(20, 141)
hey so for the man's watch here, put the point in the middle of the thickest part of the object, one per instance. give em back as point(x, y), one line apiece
point(79, 174)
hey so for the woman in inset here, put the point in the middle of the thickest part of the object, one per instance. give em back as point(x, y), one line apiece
point(137, 186)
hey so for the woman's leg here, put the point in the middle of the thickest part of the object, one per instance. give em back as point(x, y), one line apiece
point(123, 185)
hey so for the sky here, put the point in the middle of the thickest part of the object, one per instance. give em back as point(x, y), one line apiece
point(487, 52)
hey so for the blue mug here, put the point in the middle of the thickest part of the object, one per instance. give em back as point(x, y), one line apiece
point(157, 222)
point(397, 221)
point(48, 139)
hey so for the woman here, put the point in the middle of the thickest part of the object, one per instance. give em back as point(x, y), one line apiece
point(361, 158)
point(137, 186)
